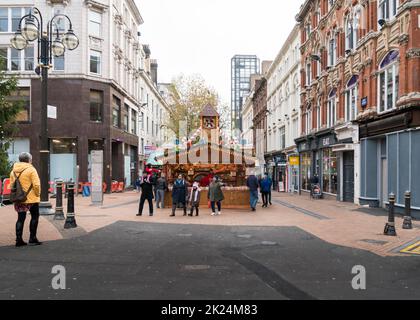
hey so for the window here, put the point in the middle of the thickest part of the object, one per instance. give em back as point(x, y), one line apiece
point(22, 95)
point(329, 172)
point(15, 59)
point(388, 81)
point(142, 120)
point(126, 113)
point(153, 128)
point(59, 63)
point(318, 115)
point(95, 20)
point(133, 122)
point(332, 50)
point(16, 15)
point(387, 9)
point(142, 146)
point(116, 112)
point(4, 19)
point(282, 138)
point(95, 62)
point(331, 112)
point(308, 73)
point(29, 58)
point(147, 125)
point(3, 58)
point(309, 120)
point(351, 99)
point(96, 105)
point(352, 22)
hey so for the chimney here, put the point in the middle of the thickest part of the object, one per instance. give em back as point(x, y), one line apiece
point(154, 70)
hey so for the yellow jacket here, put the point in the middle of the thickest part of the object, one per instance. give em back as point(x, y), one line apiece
point(28, 177)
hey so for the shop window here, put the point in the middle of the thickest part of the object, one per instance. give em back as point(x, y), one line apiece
point(96, 105)
point(306, 170)
point(64, 146)
point(388, 81)
point(329, 172)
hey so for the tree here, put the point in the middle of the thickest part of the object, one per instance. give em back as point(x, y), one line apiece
point(8, 112)
point(189, 95)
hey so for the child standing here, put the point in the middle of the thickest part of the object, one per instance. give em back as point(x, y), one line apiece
point(194, 199)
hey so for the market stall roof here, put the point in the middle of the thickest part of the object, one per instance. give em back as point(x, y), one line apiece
point(209, 111)
point(183, 155)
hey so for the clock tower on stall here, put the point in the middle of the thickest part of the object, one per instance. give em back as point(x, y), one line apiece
point(210, 121)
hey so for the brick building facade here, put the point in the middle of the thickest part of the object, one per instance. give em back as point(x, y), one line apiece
point(359, 66)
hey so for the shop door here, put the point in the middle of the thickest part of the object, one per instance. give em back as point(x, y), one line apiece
point(384, 186)
point(348, 176)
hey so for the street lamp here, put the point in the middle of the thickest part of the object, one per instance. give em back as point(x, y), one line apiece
point(31, 28)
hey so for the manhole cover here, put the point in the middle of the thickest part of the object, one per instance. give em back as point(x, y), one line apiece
point(196, 267)
point(244, 236)
point(268, 243)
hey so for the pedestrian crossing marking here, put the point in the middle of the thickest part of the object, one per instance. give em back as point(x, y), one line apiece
point(412, 248)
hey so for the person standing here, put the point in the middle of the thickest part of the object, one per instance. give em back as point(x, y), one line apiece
point(179, 195)
point(266, 184)
point(161, 187)
point(146, 194)
point(194, 199)
point(28, 178)
point(252, 184)
point(216, 196)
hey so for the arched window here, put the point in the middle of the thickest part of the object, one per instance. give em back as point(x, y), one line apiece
point(351, 98)
point(332, 106)
point(388, 81)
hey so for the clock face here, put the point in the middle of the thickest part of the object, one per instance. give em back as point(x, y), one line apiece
point(209, 123)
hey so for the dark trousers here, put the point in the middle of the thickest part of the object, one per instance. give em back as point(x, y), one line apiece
point(265, 196)
point(143, 200)
point(175, 205)
point(192, 210)
point(213, 206)
point(269, 197)
point(33, 225)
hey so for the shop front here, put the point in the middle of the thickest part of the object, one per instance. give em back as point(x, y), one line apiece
point(277, 171)
point(293, 173)
point(319, 161)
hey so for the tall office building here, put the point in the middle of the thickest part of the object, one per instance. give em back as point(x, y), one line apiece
point(242, 67)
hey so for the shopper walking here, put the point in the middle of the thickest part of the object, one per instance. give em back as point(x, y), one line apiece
point(194, 199)
point(161, 188)
point(216, 196)
point(25, 194)
point(252, 184)
point(146, 194)
point(266, 185)
point(179, 195)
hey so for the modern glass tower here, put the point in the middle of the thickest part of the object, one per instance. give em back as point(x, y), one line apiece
point(242, 67)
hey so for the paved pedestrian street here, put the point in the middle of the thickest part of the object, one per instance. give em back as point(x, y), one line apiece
point(296, 249)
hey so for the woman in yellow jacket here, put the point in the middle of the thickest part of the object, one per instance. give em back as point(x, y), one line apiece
point(29, 179)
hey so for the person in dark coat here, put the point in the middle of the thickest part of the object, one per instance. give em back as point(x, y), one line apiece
point(194, 199)
point(179, 195)
point(265, 186)
point(216, 196)
point(252, 184)
point(146, 194)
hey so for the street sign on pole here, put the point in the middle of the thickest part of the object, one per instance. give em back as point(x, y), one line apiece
point(97, 177)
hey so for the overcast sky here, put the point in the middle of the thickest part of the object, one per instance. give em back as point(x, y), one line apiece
point(201, 36)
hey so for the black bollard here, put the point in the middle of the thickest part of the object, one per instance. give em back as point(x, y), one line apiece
point(59, 210)
point(390, 226)
point(70, 220)
point(408, 221)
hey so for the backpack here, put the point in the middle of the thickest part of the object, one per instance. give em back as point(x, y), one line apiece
point(18, 195)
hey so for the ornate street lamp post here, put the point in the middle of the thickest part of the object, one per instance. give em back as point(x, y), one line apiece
point(31, 28)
